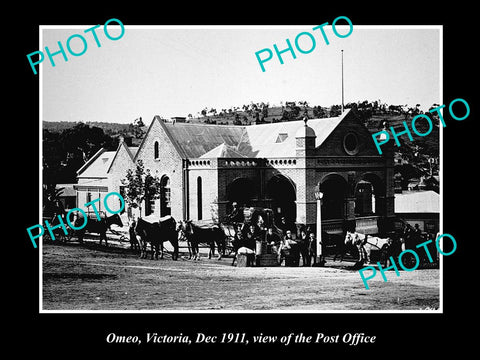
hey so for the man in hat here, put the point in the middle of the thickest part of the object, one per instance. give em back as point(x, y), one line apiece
point(236, 215)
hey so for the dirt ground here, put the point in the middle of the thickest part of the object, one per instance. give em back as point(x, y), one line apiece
point(93, 277)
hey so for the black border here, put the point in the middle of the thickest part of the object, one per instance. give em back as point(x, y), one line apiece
point(399, 334)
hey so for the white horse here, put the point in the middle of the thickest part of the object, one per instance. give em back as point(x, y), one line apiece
point(366, 243)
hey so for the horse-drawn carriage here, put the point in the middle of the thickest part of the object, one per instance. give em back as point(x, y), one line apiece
point(261, 218)
point(59, 235)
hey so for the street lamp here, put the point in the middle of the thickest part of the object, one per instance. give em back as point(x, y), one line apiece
point(318, 197)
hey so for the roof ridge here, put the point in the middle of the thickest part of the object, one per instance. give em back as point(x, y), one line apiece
point(202, 124)
point(91, 160)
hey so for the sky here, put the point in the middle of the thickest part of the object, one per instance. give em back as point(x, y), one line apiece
point(179, 70)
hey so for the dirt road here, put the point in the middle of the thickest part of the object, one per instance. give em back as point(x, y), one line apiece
point(89, 277)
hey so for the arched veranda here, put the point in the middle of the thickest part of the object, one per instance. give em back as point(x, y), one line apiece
point(281, 194)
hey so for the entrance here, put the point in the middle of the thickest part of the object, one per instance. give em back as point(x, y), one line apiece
point(282, 193)
point(334, 189)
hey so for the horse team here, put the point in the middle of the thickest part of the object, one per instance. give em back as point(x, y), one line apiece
point(167, 229)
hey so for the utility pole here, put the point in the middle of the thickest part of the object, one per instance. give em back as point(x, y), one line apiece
point(342, 83)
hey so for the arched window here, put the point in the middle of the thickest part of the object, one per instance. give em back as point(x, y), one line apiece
point(156, 151)
point(165, 205)
point(334, 188)
point(199, 198)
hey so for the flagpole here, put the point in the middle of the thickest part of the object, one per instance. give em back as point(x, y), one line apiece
point(342, 82)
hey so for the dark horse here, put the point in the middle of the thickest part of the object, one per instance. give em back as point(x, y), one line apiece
point(97, 226)
point(196, 235)
point(340, 248)
point(156, 234)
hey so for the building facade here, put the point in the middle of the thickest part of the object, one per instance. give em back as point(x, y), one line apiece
point(205, 168)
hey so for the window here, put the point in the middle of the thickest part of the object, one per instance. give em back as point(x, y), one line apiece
point(281, 137)
point(156, 150)
point(199, 198)
point(165, 206)
point(149, 206)
point(122, 193)
point(350, 144)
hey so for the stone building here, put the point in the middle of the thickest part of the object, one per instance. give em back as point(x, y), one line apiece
point(205, 168)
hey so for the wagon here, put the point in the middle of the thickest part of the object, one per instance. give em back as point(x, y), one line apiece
point(406, 238)
point(58, 233)
point(229, 230)
point(260, 217)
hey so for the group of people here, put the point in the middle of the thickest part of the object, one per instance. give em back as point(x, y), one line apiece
point(254, 240)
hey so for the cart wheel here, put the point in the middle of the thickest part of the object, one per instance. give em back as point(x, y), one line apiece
point(409, 261)
point(47, 239)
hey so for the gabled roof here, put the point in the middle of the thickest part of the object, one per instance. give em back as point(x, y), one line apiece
point(222, 151)
point(262, 140)
point(199, 140)
point(98, 165)
point(131, 151)
point(196, 140)
point(221, 141)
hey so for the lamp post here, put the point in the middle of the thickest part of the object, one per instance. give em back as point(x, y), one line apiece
point(318, 197)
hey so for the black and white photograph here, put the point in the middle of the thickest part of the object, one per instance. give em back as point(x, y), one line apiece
point(242, 189)
point(296, 185)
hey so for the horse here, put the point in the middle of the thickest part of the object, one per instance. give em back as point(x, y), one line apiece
point(335, 244)
point(97, 226)
point(196, 235)
point(156, 234)
point(181, 237)
point(366, 244)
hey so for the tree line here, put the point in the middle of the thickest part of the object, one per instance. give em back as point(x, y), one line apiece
point(66, 149)
point(261, 112)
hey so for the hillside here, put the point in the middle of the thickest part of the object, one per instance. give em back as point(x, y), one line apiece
point(413, 159)
point(108, 128)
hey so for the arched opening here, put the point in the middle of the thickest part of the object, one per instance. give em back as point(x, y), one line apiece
point(364, 200)
point(334, 189)
point(199, 198)
point(241, 191)
point(165, 204)
point(282, 194)
point(369, 195)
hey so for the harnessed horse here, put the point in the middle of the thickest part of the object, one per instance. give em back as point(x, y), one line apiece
point(366, 243)
point(196, 235)
point(156, 234)
point(97, 226)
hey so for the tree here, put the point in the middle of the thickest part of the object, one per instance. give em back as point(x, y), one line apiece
point(140, 185)
point(319, 112)
point(335, 110)
point(64, 153)
point(51, 197)
point(136, 128)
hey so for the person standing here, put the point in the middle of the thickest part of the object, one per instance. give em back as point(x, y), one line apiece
point(273, 241)
point(288, 249)
point(303, 247)
point(236, 215)
point(283, 225)
point(134, 245)
point(312, 250)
